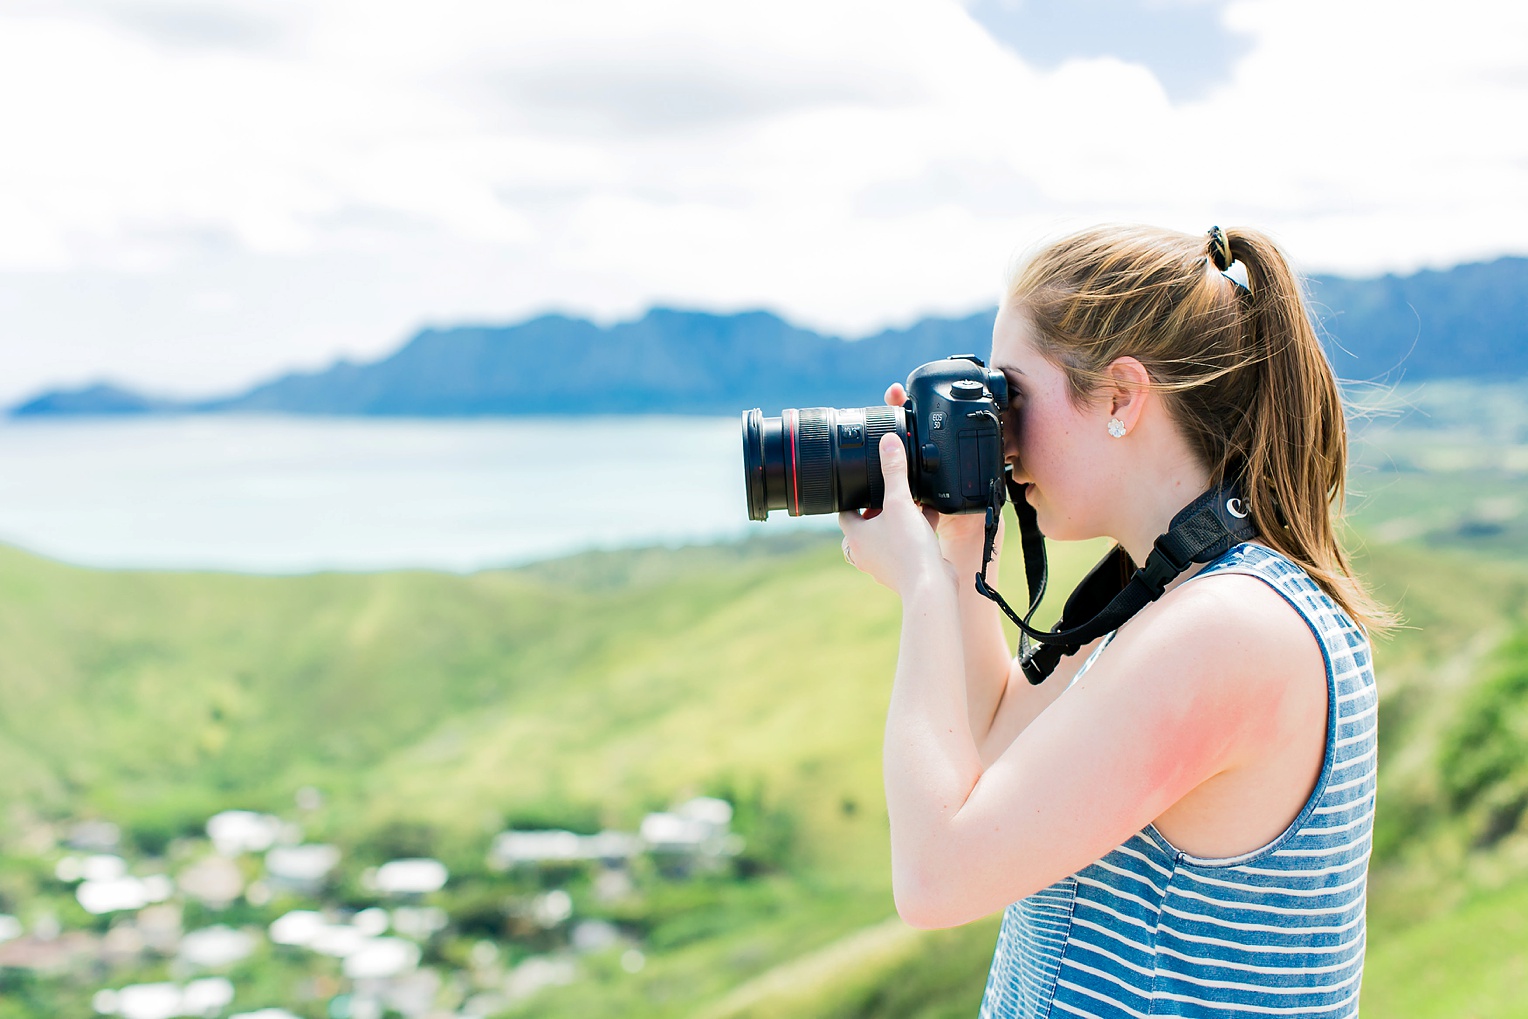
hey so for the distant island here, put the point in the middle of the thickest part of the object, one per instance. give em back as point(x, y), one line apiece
point(1470, 321)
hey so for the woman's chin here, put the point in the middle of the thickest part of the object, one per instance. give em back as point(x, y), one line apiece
point(1054, 526)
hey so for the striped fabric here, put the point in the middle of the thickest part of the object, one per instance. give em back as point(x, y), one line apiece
point(1149, 930)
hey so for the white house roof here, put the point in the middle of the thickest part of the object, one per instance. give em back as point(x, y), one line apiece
point(381, 958)
point(122, 893)
point(207, 996)
point(305, 863)
point(216, 946)
point(298, 927)
point(243, 831)
point(513, 847)
point(411, 877)
point(708, 810)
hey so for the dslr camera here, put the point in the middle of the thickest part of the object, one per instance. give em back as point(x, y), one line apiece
point(823, 460)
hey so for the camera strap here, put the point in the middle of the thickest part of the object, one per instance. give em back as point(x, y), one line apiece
point(1114, 589)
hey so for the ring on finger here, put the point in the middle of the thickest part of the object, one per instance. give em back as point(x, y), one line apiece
point(848, 556)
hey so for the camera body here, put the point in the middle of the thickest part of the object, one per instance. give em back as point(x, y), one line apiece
point(955, 431)
point(823, 460)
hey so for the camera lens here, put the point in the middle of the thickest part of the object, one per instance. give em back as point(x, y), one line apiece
point(817, 459)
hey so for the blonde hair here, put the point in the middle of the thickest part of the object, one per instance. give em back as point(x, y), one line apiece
point(1241, 370)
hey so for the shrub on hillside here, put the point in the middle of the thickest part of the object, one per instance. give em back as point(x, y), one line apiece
point(1484, 756)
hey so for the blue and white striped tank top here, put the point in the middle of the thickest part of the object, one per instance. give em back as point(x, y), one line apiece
point(1149, 930)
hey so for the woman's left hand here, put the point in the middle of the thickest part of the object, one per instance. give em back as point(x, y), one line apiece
point(895, 544)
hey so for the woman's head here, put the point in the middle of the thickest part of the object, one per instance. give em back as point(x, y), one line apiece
point(1237, 368)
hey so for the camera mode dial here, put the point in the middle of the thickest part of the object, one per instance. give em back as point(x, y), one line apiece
point(967, 389)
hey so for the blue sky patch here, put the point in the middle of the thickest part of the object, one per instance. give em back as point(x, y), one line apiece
point(1185, 43)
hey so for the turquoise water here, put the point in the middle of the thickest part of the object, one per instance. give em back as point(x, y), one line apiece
point(286, 495)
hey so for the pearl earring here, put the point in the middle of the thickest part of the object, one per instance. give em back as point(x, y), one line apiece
point(1117, 428)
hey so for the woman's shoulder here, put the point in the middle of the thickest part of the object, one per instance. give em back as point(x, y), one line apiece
point(1271, 587)
point(1233, 644)
point(1235, 613)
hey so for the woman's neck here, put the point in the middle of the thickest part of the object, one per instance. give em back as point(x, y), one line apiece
point(1155, 502)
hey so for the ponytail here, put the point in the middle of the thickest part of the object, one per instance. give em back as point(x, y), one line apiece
point(1239, 365)
point(1294, 441)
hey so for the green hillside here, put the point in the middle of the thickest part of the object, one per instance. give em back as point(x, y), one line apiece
point(433, 710)
point(590, 690)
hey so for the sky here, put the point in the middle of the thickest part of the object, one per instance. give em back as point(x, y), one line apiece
point(198, 195)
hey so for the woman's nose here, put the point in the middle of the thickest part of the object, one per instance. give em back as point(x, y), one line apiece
point(1011, 439)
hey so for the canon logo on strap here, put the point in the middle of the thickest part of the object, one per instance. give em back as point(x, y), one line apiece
point(1236, 509)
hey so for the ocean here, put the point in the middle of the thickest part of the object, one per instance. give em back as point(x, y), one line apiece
point(296, 495)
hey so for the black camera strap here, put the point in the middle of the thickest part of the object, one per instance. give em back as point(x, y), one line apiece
point(1114, 590)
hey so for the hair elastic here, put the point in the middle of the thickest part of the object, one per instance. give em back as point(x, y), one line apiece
point(1220, 249)
point(1221, 258)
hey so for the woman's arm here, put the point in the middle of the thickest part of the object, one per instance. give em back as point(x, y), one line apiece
point(989, 663)
point(1000, 700)
point(987, 656)
point(1186, 692)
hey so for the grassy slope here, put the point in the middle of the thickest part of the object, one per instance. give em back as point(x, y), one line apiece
point(144, 693)
point(1470, 961)
point(603, 686)
point(610, 684)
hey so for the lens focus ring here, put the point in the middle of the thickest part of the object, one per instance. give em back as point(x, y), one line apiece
point(814, 461)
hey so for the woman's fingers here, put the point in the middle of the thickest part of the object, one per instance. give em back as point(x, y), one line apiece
point(896, 396)
point(898, 543)
point(894, 468)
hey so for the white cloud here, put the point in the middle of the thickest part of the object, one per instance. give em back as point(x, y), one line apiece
point(197, 193)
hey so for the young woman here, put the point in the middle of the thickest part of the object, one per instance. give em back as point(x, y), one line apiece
point(1178, 820)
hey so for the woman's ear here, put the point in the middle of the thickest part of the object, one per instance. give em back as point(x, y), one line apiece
point(1126, 391)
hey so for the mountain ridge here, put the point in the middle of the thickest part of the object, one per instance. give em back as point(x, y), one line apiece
point(1470, 321)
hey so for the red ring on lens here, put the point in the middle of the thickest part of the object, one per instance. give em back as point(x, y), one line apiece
point(793, 428)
